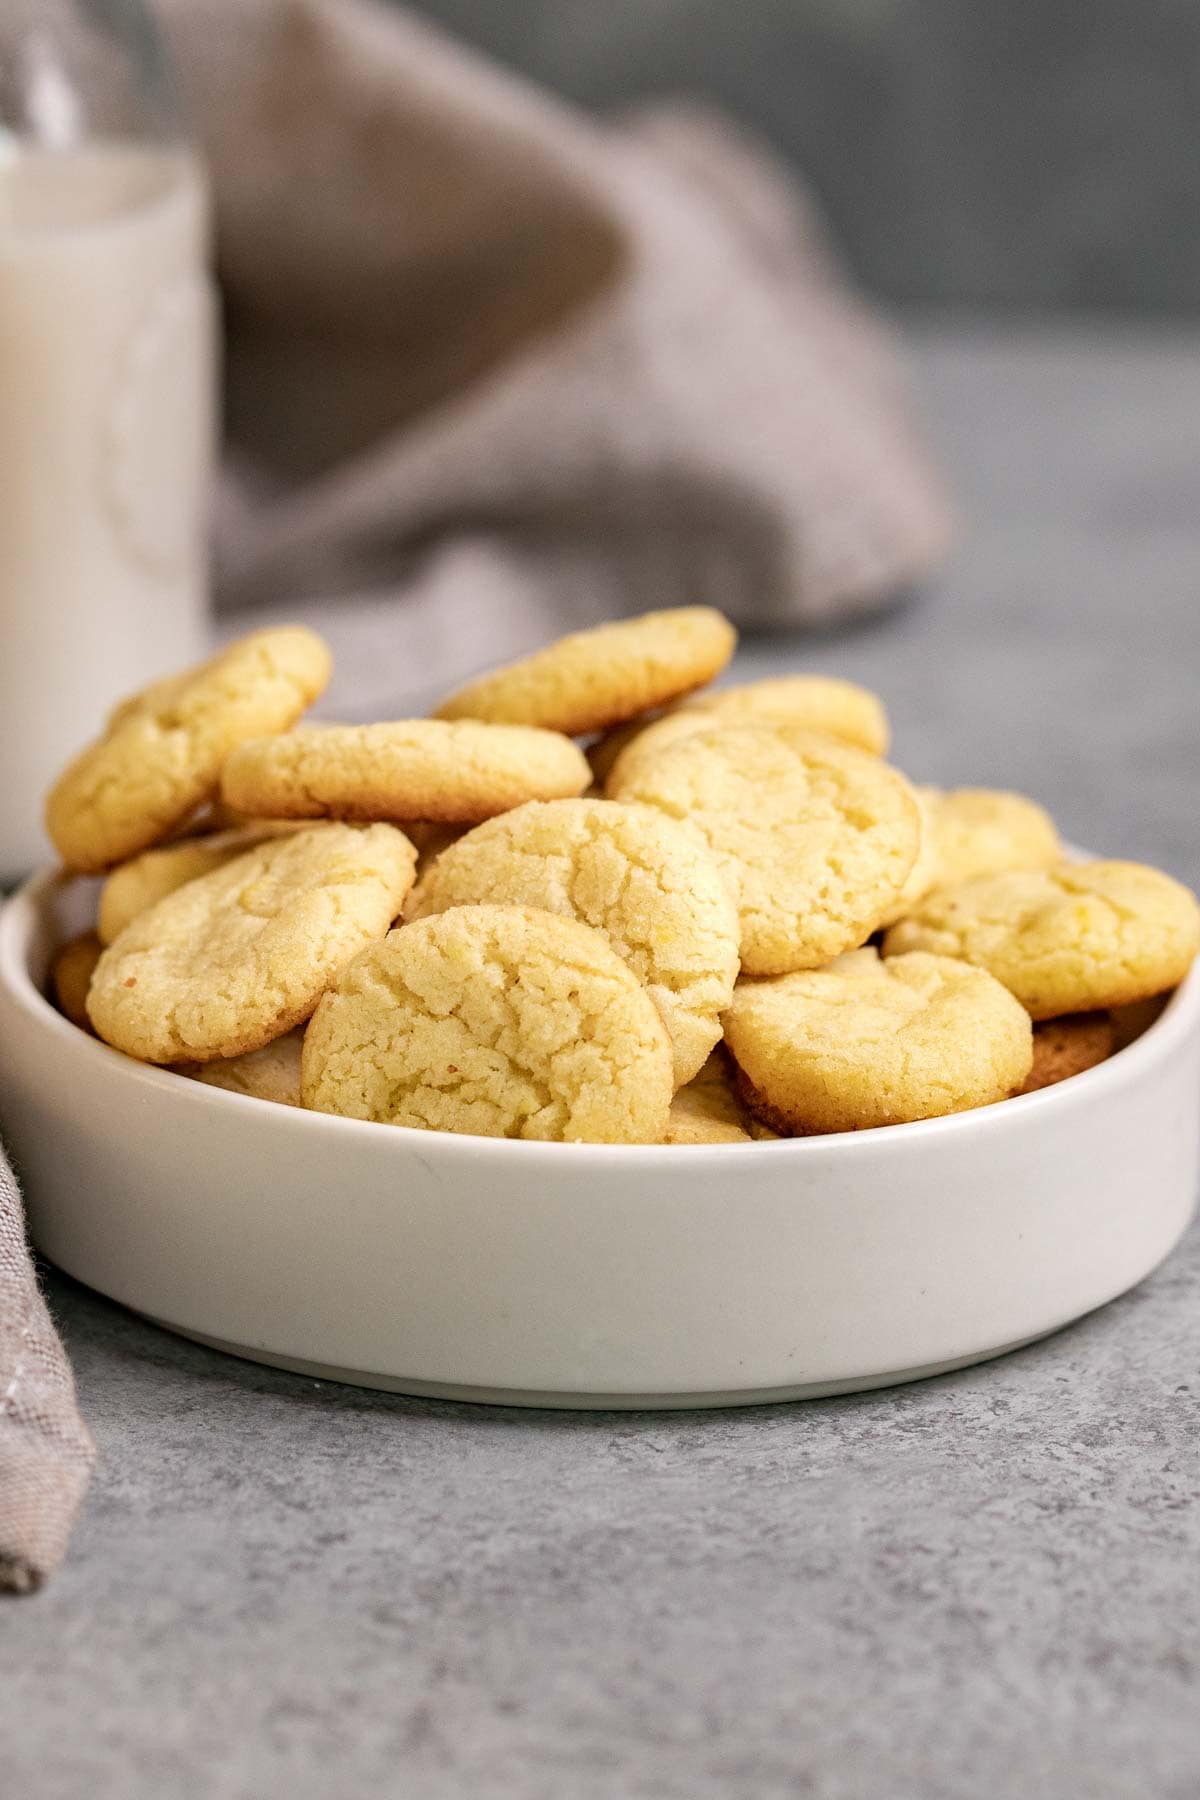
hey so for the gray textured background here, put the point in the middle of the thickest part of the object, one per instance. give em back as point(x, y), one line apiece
point(1034, 153)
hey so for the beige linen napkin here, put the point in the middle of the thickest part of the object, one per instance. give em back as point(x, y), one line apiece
point(496, 368)
point(45, 1452)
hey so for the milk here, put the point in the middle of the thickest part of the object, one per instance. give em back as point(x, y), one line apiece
point(106, 420)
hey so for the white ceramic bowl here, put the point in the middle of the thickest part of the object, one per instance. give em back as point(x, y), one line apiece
point(587, 1275)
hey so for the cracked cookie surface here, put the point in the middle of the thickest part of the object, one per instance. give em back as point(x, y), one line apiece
point(458, 772)
point(594, 679)
point(160, 757)
point(639, 877)
point(496, 1021)
point(840, 709)
point(145, 879)
point(239, 956)
point(866, 1042)
point(816, 838)
point(1077, 938)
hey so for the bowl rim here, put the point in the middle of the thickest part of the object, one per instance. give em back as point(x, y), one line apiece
point(27, 906)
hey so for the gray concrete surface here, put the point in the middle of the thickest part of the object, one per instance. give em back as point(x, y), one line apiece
point(1037, 153)
point(985, 1586)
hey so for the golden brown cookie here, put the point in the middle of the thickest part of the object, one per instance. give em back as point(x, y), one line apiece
point(421, 769)
point(816, 838)
point(839, 709)
point(497, 1021)
point(707, 1110)
point(866, 1042)
point(161, 756)
point(71, 976)
point(272, 1073)
point(239, 956)
point(137, 884)
point(1066, 1047)
point(1081, 937)
point(594, 679)
point(639, 877)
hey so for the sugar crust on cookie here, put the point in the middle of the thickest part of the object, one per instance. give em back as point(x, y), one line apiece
point(817, 838)
point(641, 878)
point(496, 1021)
point(1080, 937)
point(237, 957)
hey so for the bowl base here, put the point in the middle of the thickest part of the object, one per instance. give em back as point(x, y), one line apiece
point(586, 1402)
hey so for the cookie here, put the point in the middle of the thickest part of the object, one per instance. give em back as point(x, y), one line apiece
point(983, 831)
point(602, 752)
point(1129, 1022)
point(137, 884)
point(865, 1043)
point(1066, 1047)
point(594, 679)
point(1077, 938)
point(430, 840)
point(816, 838)
point(71, 976)
point(922, 877)
point(239, 956)
point(161, 756)
point(629, 871)
point(498, 1021)
point(156, 696)
point(840, 709)
point(707, 1110)
point(272, 1073)
point(420, 769)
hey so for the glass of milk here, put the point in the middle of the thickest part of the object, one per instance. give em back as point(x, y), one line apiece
point(107, 331)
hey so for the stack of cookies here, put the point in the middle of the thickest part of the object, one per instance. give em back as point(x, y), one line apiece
point(724, 917)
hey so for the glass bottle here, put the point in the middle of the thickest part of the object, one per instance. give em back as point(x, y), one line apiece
point(106, 387)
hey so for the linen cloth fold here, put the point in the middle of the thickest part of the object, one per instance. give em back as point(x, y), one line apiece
point(46, 1454)
point(496, 369)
